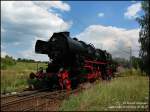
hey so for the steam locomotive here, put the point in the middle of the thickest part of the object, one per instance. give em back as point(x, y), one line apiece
point(72, 62)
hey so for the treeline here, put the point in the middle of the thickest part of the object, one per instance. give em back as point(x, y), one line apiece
point(28, 60)
point(10, 61)
point(135, 62)
point(122, 62)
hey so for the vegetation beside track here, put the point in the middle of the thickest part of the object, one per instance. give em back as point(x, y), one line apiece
point(121, 93)
point(14, 77)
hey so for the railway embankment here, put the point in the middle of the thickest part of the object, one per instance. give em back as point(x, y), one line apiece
point(129, 91)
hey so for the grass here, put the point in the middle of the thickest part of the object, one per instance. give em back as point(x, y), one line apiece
point(133, 88)
point(14, 78)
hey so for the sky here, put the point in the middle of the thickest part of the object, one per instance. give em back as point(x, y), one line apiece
point(108, 25)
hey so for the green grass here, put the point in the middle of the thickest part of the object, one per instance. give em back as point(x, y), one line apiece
point(106, 95)
point(14, 78)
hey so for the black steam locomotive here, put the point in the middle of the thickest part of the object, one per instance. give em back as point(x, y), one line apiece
point(71, 62)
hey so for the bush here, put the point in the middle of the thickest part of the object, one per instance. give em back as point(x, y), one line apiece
point(7, 61)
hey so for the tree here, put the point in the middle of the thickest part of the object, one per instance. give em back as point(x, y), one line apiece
point(136, 62)
point(123, 62)
point(19, 59)
point(144, 38)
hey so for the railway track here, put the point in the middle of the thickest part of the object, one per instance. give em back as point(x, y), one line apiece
point(10, 98)
point(35, 102)
point(6, 99)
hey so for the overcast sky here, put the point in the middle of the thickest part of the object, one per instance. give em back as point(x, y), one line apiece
point(107, 25)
